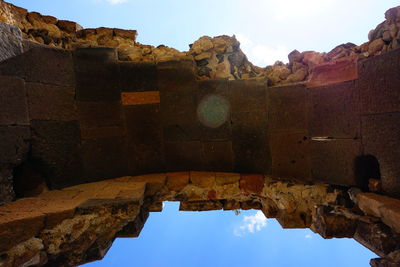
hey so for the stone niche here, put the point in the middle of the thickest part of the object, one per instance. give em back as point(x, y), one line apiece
point(94, 138)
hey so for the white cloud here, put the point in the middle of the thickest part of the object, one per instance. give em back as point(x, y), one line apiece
point(251, 224)
point(260, 54)
point(308, 236)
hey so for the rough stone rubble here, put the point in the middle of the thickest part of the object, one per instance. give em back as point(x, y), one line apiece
point(216, 58)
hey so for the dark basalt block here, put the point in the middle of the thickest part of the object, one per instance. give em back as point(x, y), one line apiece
point(287, 108)
point(41, 64)
point(14, 144)
point(178, 116)
point(13, 104)
point(290, 154)
point(381, 138)
point(97, 75)
point(333, 161)
point(51, 102)
point(379, 83)
point(104, 158)
point(56, 149)
point(143, 123)
point(250, 143)
point(218, 156)
point(183, 156)
point(334, 110)
point(98, 114)
point(138, 77)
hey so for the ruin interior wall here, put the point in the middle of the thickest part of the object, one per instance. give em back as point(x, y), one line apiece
point(72, 117)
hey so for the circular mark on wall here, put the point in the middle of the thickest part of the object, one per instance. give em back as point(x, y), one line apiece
point(213, 111)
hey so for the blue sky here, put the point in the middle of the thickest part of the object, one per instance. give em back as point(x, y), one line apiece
point(222, 239)
point(268, 31)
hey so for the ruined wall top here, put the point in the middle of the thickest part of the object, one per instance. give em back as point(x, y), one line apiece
point(216, 58)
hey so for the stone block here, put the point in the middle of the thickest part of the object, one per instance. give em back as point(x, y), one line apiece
point(200, 206)
point(102, 132)
point(330, 225)
point(140, 98)
point(104, 158)
point(381, 138)
point(247, 95)
point(377, 237)
point(333, 161)
point(250, 143)
point(290, 153)
point(334, 111)
point(176, 181)
point(224, 178)
point(287, 108)
point(143, 124)
point(145, 158)
point(183, 156)
point(133, 229)
point(138, 77)
point(97, 75)
point(336, 71)
point(202, 179)
point(178, 116)
point(176, 76)
point(14, 144)
point(252, 183)
point(10, 41)
point(218, 156)
point(51, 102)
point(13, 104)
point(41, 64)
point(379, 82)
point(19, 228)
point(56, 148)
point(97, 114)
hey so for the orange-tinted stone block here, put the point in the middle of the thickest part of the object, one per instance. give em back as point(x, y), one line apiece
point(140, 98)
point(176, 181)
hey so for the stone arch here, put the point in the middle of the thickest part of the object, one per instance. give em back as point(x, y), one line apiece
point(366, 167)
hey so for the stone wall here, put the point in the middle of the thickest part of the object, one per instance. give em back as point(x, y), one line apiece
point(209, 121)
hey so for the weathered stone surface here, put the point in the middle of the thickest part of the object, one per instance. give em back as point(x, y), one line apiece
point(252, 183)
point(13, 103)
point(203, 179)
point(43, 65)
point(11, 41)
point(377, 237)
point(14, 144)
point(290, 153)
point(330, 225)
point(327, 118)
point(333, 72)
point(177, 180)
point(223, 178)
point(386, 208)
point(381, 129)
point(333, 160)
point(56, 147)
point(51, 102)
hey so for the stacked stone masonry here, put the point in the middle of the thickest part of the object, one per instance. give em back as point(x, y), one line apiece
point(94, 137)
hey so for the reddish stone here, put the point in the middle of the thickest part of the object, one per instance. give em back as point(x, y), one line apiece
point(340, 70)
point(252, 183)
point(212, 194)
